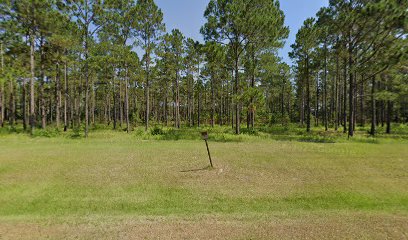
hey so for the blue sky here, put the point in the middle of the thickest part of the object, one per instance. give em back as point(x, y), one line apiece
point(187, 15)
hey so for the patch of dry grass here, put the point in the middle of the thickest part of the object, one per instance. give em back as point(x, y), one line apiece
point(349, 226)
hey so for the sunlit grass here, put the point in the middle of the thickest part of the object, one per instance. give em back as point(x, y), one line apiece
point(136, 175)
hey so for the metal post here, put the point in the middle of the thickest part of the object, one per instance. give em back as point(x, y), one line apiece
point(209, 155)
point(204, 135)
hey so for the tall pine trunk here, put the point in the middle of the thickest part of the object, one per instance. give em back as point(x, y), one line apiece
point(66, 97)
point(121, 102)
point(307, 95)
point(388, 113)
point(199, 105)
point(32, 93)
point(389, 116)
point(252, 107)
point(325, 89)
point(147, 86)
point(86, 35)
point(317, 101)
point(23, 104)
point(2, 105)
point(282, 101)
point(58, 96)
point(302, 105)
point(115, 100)
point(236, 91)
point(351, 90)
point(362, 115)
point(127, 101)
point(86, 90)
point(212, 100)
point(336, 95)
point(345, 96)
point(373, 110)
point(42, 76)
point(177, 101)
point(11, 113)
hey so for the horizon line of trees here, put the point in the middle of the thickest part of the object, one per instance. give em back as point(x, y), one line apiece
point(74, 63)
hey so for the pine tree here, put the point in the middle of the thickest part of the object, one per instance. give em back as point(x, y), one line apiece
point(149, 28)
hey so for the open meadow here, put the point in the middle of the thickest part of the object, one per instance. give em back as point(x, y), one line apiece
point(264, 185)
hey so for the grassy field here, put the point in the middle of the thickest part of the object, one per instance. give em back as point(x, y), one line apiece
point(158, 185)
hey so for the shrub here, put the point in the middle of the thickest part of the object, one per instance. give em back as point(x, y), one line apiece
point(76, 132)
point(316, 139)
point(157, 131)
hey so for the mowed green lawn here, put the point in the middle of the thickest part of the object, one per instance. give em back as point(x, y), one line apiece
point(118, 186)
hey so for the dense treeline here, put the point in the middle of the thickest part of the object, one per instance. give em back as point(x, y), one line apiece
point(351, 65)
point(74, 64)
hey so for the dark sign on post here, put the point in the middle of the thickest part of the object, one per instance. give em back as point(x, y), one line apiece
point(204, 135)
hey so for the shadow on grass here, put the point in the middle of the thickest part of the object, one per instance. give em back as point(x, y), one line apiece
point(198, 170)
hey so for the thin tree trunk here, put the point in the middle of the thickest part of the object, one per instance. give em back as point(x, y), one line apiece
point(325, 89)
point(362, 118)
point(252, 107)
point(302, 105)
point(307, 96)
point(2, 105)
point(23, 104)
point(42, 76)
point(199, 105)
point(188, 100)
point(373, 110)
point(222, 104)
point(78, 103)
point(127, 101)
point(86, 71)
point(93, 105)
point(66, 97)
point(166, 119)
point(282, 103)
point(317, 101)
point(237, 112)
point(192, 101)
point(147, 87)
point(58, 96)
point(345, 97)
point(389, 116)
point(11, 114)
point(232, 87)
point(121, 103)
point(382, 113)
point(115, 101)
point(86, 89)
point(32, 68)
point(351, 92)
point(336, 96)
point(212, 101)
point(355, 101)
point(177, 100)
